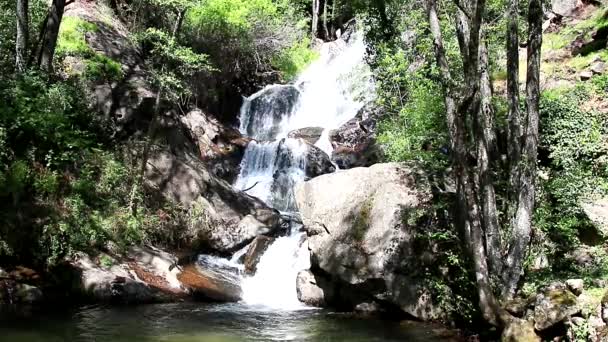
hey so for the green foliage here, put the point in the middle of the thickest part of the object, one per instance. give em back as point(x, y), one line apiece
point(100, 67)
point(72, 33)
point(293, 60)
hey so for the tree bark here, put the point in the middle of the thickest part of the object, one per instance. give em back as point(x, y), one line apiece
point(486, 146)
point(178, 23)
point(50, 35)
point(22, 35)
point(315, 18)
point(527, 174)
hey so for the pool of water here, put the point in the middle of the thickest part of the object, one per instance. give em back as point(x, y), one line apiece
point(190, 322)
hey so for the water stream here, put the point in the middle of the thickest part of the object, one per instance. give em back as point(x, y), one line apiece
point(326, 95)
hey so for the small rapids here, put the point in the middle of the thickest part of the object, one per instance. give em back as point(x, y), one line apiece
point(327, 94)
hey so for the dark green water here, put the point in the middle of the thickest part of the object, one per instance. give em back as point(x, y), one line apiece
point(204, 323)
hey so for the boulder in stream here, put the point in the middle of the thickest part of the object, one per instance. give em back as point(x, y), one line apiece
point(361, 225)
point(255, 251)
point(309, 134)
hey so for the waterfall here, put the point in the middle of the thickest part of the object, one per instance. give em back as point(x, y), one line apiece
point(327, 94)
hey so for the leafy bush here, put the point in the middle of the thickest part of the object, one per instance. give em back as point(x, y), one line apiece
point(293, 60)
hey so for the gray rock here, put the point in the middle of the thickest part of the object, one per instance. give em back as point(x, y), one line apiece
point(255, 252)
point(597, 212)
point(577, 286)
point(309, 292)
point(208, 284)
point(317, 162)
point(598, 68)
point(361, 223)
point(144, 276)
point(222, 218)
point(310, 134)
point(564, 8)
point(585, 75)
point(516, 306)
point(553, 305)
point(605, 307)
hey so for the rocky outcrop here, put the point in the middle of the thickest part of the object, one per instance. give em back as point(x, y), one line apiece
point(220, 148)
point(317, 162)
point(221, 218)
point(361, 225)
point(143, 275)
point(309, 134)
point(564, 8)
point(354, 142)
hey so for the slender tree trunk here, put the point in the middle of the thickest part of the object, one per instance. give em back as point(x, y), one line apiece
point(51, 33)
point(22, 35)
point(486, 145)
point(178, 23)
point(514, 119)
point(315, 18)
point(527, 175)
point(325, 30)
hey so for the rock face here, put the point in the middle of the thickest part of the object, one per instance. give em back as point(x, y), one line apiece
point(361, 225)
point(317, 162)
point(309, 134)
point(355, 142)
point(221, 148)
point(255, 252)
point(554, 304)
point(223, 219)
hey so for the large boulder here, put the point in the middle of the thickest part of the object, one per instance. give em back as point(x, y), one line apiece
point(220, 148)
point(564, 8)
point(209, 284)
point(354, 142)
point(553, 305)
point(361, 225)
point(143, 275)
point(222, 218)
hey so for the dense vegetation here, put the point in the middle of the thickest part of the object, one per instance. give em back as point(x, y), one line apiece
point(70, 181)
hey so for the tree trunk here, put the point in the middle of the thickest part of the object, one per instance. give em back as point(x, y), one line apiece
point(325, 30)
point(486, 146)
point(50, 35)
point(22, 35)
point(178, 23)
point(315, 18)
point(527, 174)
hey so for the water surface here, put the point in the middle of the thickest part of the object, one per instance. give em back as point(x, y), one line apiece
point(191, 322)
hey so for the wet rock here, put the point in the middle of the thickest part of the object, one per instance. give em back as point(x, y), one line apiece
point(519, 331)
point(309, 134)
point(354, 142)
point(358, 236)
point(207, 285)
point(255, 252)
point(309, 291)
point(368, 308)
point(577, 286)
point(553, 305)
point(273, 103)
point(317, 162)
point(223, 219)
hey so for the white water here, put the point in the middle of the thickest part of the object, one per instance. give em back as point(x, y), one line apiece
point(327, 94)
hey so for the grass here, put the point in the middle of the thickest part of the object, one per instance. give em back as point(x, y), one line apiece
point(72, 37)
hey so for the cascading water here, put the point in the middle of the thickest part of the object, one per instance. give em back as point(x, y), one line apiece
point(328, 94)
